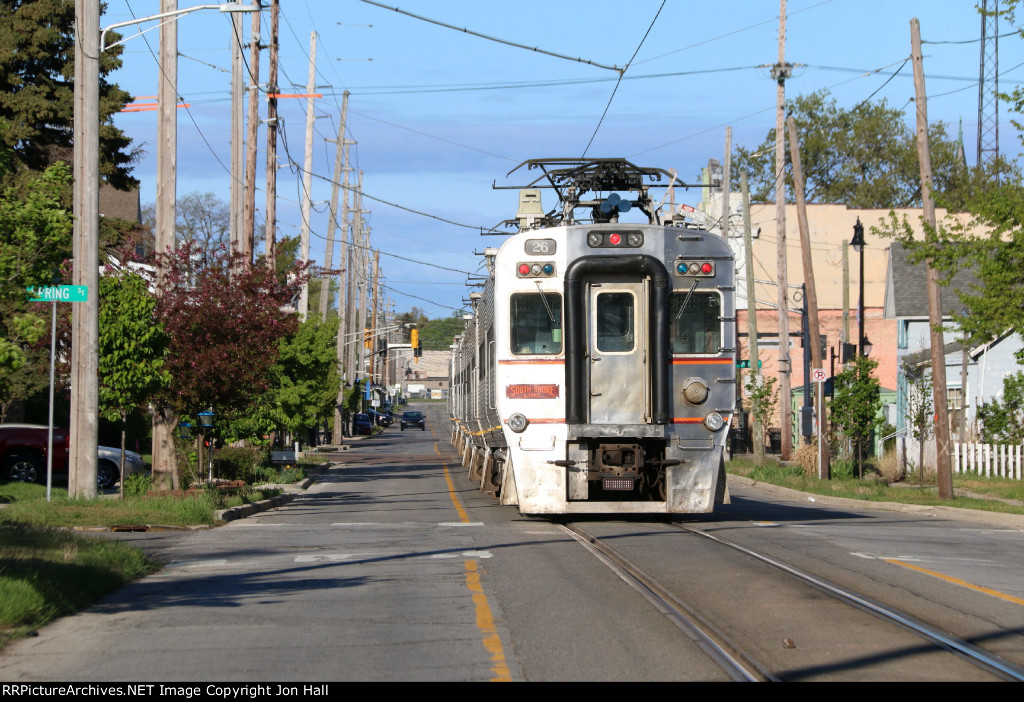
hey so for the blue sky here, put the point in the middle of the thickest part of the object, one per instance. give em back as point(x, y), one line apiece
point(439, 115)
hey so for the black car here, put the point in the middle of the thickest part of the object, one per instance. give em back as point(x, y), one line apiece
point(361, 425)
point(413, 419)
point(380, 418)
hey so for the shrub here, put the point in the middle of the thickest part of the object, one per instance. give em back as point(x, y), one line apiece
point(843, 469)
point(806, 456)
point(137, 484)
point(239, 462)
point(888, 468)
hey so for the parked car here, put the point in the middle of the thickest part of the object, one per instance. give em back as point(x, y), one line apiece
point(23, 456)
point(381, 418)
point(411, 418)
point(361, 425)
point(108, 470)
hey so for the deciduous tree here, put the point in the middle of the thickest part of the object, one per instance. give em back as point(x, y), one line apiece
point(863, 157)
point(225, 321)
point(132, 346)
point(856, 404)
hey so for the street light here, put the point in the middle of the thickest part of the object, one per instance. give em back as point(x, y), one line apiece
point(168, 17)
point(858, 245)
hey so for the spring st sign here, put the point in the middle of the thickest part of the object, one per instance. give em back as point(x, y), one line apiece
point(58, 293)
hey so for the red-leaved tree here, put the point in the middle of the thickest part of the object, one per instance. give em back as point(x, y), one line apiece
point(224, 319)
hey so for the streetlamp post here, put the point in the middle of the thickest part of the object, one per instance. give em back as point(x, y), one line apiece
point(858, 245)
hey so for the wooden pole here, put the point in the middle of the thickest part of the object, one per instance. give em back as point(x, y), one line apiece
point(943, 464)
point(269, 236)
point(781, 72)
point(811, 299)
point(252, 127)
point(307, 175)
point(757, 435)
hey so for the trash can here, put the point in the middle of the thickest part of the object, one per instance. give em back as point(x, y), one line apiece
point(775, 440)
point(740, 442)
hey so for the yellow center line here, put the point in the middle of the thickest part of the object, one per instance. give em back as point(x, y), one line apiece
point(451, 488)
point(485, 623)
point(957, 581)
point(484, 617)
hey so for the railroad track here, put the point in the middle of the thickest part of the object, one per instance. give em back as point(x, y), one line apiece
point(736, 658)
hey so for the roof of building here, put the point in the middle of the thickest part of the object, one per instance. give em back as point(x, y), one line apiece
point(120, 204)
point(906, 290)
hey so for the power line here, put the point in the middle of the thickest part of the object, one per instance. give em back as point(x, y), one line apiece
point(619, 81)
point(496, 39)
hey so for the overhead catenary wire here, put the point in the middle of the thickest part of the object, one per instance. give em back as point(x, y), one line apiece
point(495, 39)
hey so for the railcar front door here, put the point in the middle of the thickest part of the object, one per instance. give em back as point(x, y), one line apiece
point(617, 340)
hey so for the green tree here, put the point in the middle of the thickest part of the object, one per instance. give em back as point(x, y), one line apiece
point(37, 89)
point(307, 375)
point(919, 410)
point(864, 157)
point(1003, 422)
point(437, 334)
point(857, 403)
point(35, 240)
point(132, 346)
point(763, 398)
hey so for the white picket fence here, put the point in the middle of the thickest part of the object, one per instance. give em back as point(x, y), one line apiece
point(999, 460)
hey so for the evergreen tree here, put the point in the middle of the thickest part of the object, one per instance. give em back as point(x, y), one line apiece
point(37, 51)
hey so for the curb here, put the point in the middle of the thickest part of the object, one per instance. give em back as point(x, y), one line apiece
point(961, 513)
point(232, 513)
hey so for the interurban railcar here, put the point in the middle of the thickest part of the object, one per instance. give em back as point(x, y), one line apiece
point(597, 372)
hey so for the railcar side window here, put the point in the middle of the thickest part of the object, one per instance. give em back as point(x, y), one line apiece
point(536, 323)
point(698, 328)
point(615, 312)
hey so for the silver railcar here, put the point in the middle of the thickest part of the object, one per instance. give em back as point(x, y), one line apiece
point(597, 372)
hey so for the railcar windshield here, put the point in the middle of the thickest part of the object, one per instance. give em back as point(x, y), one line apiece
point(536, 323)
point(696, 327)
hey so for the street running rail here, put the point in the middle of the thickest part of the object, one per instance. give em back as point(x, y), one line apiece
point(979, 657)
point(724, 652)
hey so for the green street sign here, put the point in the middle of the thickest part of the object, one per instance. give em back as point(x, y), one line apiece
point(58, 293)
point(745, 363)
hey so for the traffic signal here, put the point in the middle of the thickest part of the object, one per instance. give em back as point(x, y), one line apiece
point(367, 340)
point(414, 341)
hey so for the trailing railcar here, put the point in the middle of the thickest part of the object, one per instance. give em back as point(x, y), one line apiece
point(597, 372)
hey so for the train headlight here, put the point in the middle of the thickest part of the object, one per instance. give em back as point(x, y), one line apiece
point(714, 421)
point(517, 422)
point(695, 391)
point(635, 239)
point(594, 239)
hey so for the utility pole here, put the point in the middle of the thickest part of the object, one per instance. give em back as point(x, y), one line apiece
point(339, 158)
point(811, 340)
point(344, 320)
point(757, 435)
point(269, 235)
point(237, 129)
point(358, 299)
point(307, 174)
point(780, 72)
point(943, 464)
point(85, 316)
point(252, 127)
point(165, 474)
point(726, 182)
point(373, 324)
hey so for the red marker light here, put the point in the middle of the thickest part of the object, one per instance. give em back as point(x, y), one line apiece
point(706, 268)
point(614, 239)
point(524, 269)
